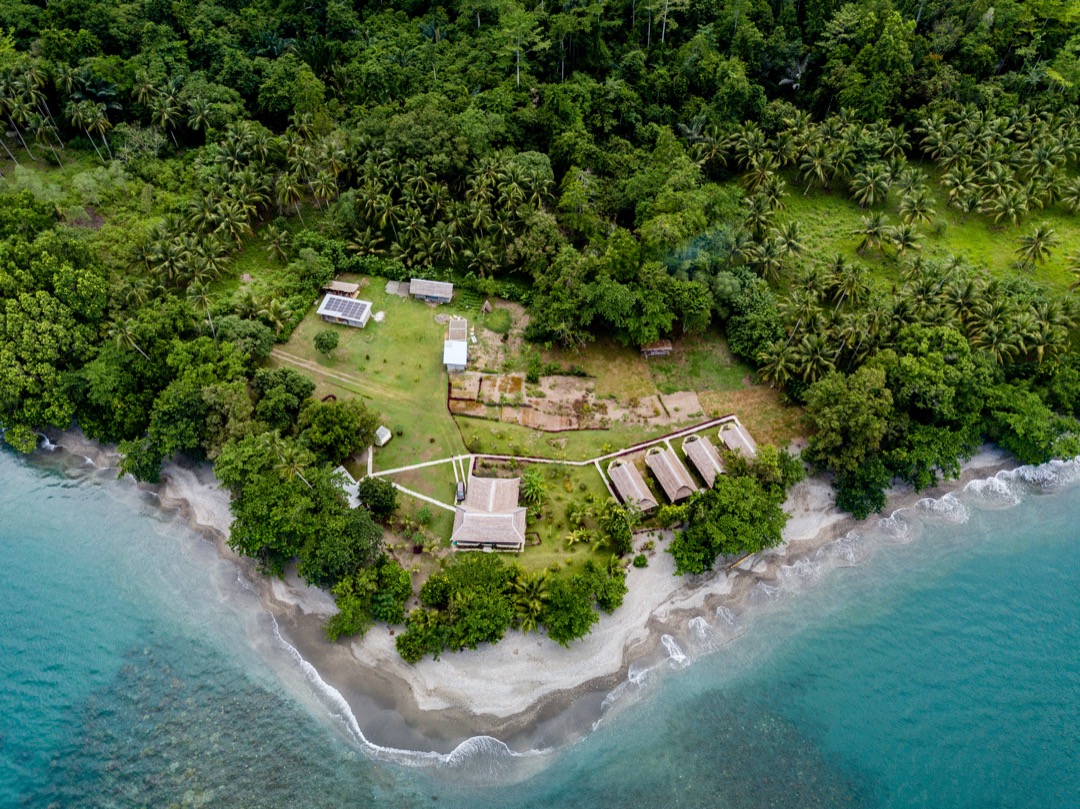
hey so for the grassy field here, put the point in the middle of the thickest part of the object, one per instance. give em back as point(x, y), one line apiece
point(827, 219)
point(395, 366)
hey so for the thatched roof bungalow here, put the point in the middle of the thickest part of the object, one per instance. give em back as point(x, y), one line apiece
point(674, 478)
point(702, 454)
point(490, 518)
point(630, 486)
point(735, 438)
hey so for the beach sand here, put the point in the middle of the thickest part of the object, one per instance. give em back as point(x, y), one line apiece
point(526, 690)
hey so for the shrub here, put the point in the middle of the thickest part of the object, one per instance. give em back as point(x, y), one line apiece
point(641, 561)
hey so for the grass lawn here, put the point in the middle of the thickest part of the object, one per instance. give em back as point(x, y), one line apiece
point(701, 362)
point(499, 438)
point(395, 365)
point(437, 482)
point(827, 219)
point(761, 412)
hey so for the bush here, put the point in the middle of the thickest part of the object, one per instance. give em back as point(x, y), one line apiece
point(378, 496)
point(641, 561)
point(326, 341)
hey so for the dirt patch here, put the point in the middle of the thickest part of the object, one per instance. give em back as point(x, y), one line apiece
point(682, 405)
point(465, 386)
point(463, 407)
point(492, 351)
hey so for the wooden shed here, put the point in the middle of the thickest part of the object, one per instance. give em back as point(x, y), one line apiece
point(342, 288)
point(661, 348)
point(674, 478)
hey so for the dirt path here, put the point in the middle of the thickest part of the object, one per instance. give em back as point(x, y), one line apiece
point(367, 386)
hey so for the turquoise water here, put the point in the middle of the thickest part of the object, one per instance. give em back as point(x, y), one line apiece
point(934, 661)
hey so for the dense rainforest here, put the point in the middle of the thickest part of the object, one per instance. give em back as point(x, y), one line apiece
point(625, 169)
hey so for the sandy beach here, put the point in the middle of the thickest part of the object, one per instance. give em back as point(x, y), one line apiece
point(527, 690)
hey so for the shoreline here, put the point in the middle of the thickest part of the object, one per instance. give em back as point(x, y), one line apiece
point(527, 691)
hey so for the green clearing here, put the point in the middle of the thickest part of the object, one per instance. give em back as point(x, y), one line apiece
point(500, 438)
point(701, 362)
point(395, 365)
point(827, 219)
point(437, 482)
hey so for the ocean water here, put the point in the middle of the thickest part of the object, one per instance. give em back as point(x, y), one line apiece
point(930, 660)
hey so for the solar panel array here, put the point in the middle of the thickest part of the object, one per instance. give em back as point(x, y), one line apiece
point(345, 308)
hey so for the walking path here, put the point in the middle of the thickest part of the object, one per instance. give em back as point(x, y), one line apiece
point(466, 460)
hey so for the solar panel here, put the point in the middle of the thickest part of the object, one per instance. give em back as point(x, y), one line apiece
point(345, 308)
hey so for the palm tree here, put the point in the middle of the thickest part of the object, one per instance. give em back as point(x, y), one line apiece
point(873, 231)
point(530, 597)
point(276, 314)
point(165, 112)
point(1035, 247)
point(232, 218)
point(277, 243)
point(533, 488)
point(815, 166)
point(1011, 204)
point(789, 238)
point(777, 364)
point(812, 355)
point(292, 459)
point(871, 185)
point(905, 237)
point(917, 206)
point(198, 114)
point(290, 192)
point(80, 115)
point(123, 334)
point(199, 295)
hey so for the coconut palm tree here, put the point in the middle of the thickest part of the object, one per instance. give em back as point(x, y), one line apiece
point(905, 237)
point(199, 296)
point(1035, 247)
point(815, 166)
point(917, 206)
point(871, 185)
point(813, 357)
point(530, 597)
point(873, 231)
point(276, 314)
point(123, 334)
point(777, 364)
point(788, 238)
point(1011, 204)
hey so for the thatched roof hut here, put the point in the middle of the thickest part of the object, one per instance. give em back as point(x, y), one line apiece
point(735, 438)
point(702, 454)
point(490, 517)
point(630, 486)
point(674, 479)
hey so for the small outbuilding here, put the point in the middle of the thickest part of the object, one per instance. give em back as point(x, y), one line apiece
point(432, 291)
point(458, 329)
point(630, 485)
point(342, 288)
point(700, 451)
point(455, 355)
point(661, 348)
point(674, 478)
point(733, 436)
point(345, 311)
point(383, 436)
